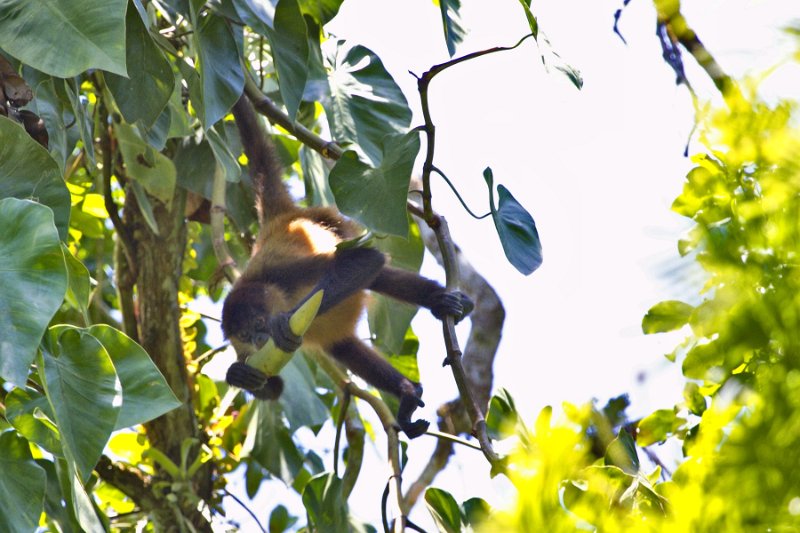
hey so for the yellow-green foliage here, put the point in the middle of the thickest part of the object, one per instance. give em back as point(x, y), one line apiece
point(740, 422)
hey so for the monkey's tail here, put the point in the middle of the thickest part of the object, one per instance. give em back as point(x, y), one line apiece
point(272, 198)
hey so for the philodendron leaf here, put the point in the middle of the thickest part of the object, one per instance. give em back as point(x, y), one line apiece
point(516, 229)
point(144, 93)
point(28, 171)
point(65, 37)
point(32, 284)
point(22, 484)
point(376, 196)
point(365, 103)
point(145, 393)
point(84, 393)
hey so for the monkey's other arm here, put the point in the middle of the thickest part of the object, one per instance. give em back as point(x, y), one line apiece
point(413, 288)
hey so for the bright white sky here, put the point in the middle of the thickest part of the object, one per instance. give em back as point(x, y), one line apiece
point(598, 169)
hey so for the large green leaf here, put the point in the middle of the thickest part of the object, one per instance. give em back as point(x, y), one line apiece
point(515, 227)
point(365, 104)
point(666, 316)
point(145, 393)
point(326, 508)
point(376, 197)
point(65, 37)
point(219, 67)
point(22, 484)
point(144, 94)
point(28, 171)
point(152, 169)
point(290, 52)
point(444, 510)
point(33, 281)
point(84, 393)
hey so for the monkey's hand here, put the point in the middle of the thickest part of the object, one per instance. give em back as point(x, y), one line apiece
point(455, 304)
point(262, 386)
point(282, 333)
point(409, 401)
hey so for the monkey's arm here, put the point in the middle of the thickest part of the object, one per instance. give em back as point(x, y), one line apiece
point(413, 288)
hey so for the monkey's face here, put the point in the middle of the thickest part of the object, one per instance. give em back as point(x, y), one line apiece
point(246, 316)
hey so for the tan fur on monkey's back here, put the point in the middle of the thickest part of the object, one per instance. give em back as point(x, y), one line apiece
point(300, 234)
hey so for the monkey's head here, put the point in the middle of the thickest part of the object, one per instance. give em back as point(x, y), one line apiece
point(246, 316)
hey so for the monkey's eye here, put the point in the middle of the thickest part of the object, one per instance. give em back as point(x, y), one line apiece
point(259, 323)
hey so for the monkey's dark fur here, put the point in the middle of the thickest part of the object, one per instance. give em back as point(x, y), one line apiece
point(294, 256)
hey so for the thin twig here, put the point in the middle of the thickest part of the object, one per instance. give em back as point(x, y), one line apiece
point(246, 508)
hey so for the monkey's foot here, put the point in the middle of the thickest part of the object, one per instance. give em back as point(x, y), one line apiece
point(414, 429)
point(455, 304)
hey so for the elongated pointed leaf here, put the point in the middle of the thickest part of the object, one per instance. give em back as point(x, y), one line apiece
point(144, 94)
point(65, 37)
point(145, 393)
point(84, 393)
point(290, 51)
point(376, 197)
point(28, 171)
point(22, 485)
point(32, 284)
point(222, 80)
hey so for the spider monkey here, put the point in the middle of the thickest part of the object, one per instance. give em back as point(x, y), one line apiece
point(294, 256)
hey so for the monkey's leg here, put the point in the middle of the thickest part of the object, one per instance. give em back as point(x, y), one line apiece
point(376, 370)
point(413, 288)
